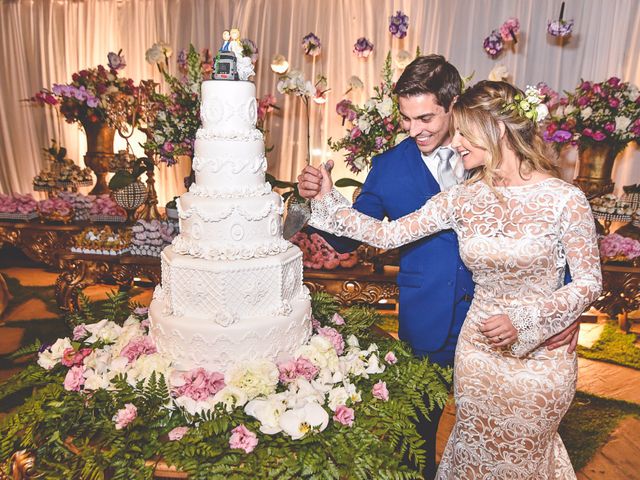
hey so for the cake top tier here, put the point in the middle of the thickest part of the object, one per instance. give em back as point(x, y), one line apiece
point(228, 108)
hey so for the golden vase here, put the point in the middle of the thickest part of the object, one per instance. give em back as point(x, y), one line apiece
point(594, 169)
point(99, 153)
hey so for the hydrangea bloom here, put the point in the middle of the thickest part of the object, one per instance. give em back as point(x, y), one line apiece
point(399, 24)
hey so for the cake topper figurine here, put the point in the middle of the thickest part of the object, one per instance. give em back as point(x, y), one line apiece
point(230, 63)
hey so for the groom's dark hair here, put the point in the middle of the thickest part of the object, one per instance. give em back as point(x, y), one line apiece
point(430, 74)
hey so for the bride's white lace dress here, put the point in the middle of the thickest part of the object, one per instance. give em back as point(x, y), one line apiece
point(509, 401)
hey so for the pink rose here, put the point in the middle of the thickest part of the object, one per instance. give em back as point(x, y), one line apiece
point(243, 438)
point(80, 332)
point(334, 337)
point(337, 319)
point(390, 358)
point(177, 433)
point(380, 391)
point(74, 379)
point(125, 416)
point(614, 102)
point(344, 415)
point(598, 136)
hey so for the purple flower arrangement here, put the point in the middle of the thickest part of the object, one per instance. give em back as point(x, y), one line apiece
point(311, 45)
point(362, 48)
point(607, 112)
point(399, 24)
point(493, 44)
point(87, 97)
point(560, 28)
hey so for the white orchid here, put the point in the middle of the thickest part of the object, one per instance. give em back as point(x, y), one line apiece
point(268, 411)
point(299, 422)
point(104, 330)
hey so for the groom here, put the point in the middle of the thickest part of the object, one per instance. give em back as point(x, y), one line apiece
point(435, 286)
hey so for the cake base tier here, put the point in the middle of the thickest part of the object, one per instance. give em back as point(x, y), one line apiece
point(195, 342)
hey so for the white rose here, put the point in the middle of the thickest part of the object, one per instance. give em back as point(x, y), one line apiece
point(541, 112)
point(154, 55)
point(633, 93)
point(622, 123)
point(268, 411)
point(498, 73)
point(385, 107)
point(104, 330)
point(586, 112)
point(298, 422)
point(231, 397)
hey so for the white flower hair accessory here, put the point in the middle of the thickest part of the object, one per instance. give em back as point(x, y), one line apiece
point(530, 106)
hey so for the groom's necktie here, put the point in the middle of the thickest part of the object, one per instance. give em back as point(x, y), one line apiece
point(446, 177)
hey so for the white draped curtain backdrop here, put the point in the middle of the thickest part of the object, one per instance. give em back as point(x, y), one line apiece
point(43, 42)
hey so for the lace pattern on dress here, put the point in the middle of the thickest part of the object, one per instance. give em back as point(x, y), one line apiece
point(526, 320)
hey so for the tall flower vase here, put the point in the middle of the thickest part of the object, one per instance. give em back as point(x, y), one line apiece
point(594, 169)
point(99, 153)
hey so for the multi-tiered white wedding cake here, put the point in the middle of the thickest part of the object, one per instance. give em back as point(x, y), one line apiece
point(231, 285)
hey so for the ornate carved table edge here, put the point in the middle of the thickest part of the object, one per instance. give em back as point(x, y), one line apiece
point(80, 271)
point(20, 466)
point(355, 285)
point(620, 291)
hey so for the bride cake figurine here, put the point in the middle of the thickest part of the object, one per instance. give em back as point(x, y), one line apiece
point(230, 63)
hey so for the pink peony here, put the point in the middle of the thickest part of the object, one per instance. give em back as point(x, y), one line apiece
point(390, 358)
point(337, 319)
point(138, 346)
point(334, 337)
point(74, 379)
point(177, 433)
point(344, 415)
point(200, 384)
point(80, 332)
point(243, 438)
point(380, 391)
point(125, 416)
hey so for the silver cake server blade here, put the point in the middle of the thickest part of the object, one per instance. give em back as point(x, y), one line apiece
point(298, 215)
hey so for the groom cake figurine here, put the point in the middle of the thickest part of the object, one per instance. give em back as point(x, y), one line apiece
point(435, 286)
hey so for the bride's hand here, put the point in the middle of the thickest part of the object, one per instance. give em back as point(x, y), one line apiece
point(327, 182)
point(499, 330)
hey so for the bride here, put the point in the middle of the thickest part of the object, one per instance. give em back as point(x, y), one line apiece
point(518, 227)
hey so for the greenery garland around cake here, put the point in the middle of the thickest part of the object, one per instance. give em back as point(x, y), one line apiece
point(103, 403)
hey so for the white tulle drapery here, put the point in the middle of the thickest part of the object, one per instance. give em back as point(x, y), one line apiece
point(44, 41)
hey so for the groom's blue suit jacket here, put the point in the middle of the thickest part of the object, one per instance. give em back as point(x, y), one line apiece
point(432, 277)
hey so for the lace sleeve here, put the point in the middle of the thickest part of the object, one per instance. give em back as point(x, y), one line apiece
point(553, 313)
point(333, 214)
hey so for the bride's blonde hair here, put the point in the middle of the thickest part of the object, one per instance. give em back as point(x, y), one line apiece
point(477, 114)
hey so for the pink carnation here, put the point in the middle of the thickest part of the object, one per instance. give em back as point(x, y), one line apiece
point(380, 391)
point(287, 371)
point(138, 346)
point(74, 380)
point(200, 384)
point(390, 358)
point(125, 416)
point(80, 332)
point(306, 369)
point(337, 319)
point(243, 438)
point(344, 415)
point(334, 337)
point(177, 433)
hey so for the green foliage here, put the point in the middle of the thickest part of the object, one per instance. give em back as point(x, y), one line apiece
point(614, 346)
point(73, 434)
